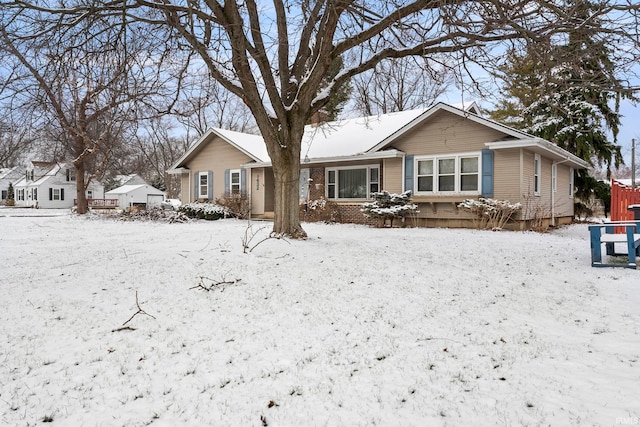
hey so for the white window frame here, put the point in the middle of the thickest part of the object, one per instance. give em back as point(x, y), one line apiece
point(571, 182)
point(200, 194)
point(55, 194)
point(554, 177)
point(537, 173)
point(435, 159)
point(235, 188)
point(336, 184)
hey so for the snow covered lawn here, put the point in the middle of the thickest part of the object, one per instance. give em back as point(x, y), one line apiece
point(355, 326)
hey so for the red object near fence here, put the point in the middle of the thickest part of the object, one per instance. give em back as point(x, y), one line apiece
point(621, 197)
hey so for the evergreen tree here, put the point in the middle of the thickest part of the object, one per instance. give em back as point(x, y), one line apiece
point(568, 93)
point(10, 193)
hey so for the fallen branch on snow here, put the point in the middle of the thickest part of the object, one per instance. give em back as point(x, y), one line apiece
point(124, 326)
point(214, 284)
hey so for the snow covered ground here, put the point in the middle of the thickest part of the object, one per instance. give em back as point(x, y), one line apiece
point(355, 326)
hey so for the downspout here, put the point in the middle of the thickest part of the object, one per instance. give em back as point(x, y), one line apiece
point(553, 192)
point(403, 173)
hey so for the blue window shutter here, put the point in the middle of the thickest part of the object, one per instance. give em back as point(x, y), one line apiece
point(50, 193)
point(487, 173)
point(196, 178)
point(227, 181)
point(210, 185)
point(408, 173)
point(243, 181)
point(62, 194)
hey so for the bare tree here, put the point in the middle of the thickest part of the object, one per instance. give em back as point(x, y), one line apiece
point(15, 140)
point(275, 55)
point(159, 150)
point(399, 85)
point(83, 81)
point(205, 104)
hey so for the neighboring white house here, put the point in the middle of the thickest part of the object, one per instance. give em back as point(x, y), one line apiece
point(8, 176)
point(140, 195)
point(52, 185)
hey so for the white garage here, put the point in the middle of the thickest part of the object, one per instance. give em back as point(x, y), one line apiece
point(139, 195)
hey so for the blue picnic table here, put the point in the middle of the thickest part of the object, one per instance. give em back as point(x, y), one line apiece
point(604, 234)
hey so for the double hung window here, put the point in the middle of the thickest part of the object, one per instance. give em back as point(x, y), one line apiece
point(234, 181)
point(448, 174)
point(203, 185)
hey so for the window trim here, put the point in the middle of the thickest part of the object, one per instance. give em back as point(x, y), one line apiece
point(537, 174)
point(554, 177)
point(200, 195)
point(231, 184)
point(571, 183)
point(457, 174)
point(336, 184)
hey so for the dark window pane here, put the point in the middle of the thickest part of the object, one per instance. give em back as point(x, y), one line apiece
point(446, 183)
point(373, 174)
point(425, 183)
point(469, 182)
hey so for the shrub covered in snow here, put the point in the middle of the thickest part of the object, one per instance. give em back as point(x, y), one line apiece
point(389, 206)
point(210, 211)
point(490, 213)
point(320, 210)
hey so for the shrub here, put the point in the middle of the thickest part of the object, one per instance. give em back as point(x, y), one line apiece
point(209, 211)
point(236, 204)
point(320, 210)
point(490, 213)
point(581, 211)
point(388, 206)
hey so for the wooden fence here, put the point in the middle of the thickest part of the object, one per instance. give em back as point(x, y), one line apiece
point(100, 203)
point(621, 197)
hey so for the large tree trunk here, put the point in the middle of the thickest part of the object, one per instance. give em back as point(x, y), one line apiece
point(285, 158)
point(286, 173)
point(82, 207)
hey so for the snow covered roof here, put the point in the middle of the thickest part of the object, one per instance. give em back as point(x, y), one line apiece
point(128, 188)
point(251, 145)
point(352, 137)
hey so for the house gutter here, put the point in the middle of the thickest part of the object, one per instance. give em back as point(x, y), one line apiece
point(387, 154)
point(540, 144)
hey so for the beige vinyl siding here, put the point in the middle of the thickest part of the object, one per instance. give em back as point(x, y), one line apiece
point(392, 177)
point(564, 203)
point(217, 156)
point(506, 175)
point(447, 133)
point(526, 185)
point(535, 205)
